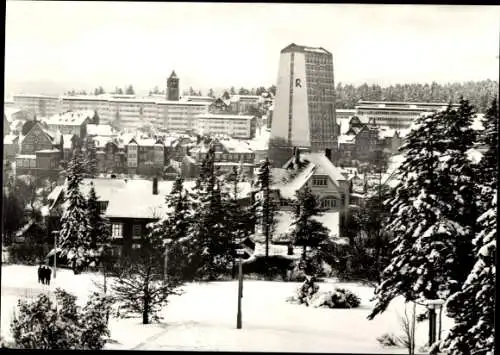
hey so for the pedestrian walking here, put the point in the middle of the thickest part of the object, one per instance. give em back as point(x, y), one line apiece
point(40, 273)
point(48, 273)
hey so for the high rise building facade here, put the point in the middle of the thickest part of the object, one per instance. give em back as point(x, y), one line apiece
point(304, 109)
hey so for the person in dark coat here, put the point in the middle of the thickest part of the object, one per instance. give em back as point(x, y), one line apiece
point(40, 274)
point(48, 273)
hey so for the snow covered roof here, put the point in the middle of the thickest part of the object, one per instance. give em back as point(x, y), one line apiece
point(147, 142)
point(9, 139)
point(288, 189)
point(474, 155)
point(319, 164)
point(101, 141)
point(99, 130)
point(10, 111)
point(279, 175)
point(26, 156)
point(71, 118)
point(477, 123)
point(47, 151)
point(233, 145)
point(236, 98)
point(347, 139)
point(197, 98)
point(55, 193)
point(324, 165)
point(67, 141)
point(386, 132)
point(344, 124)
point(134, 198)
point(224, 116)
point(182, 103)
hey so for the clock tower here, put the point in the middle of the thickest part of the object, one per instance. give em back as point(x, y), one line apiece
point(173, 87)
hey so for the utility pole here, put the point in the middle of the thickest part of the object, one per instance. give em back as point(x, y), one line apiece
point(240, 287)
point(55, 251)
point(165, 264)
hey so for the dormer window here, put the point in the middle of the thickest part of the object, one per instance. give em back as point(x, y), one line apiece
point(319, 181)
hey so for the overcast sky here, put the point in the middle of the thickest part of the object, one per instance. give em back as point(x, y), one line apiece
point(222, 45)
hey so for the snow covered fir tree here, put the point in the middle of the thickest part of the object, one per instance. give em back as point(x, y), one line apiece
point(473, 306)
point(75, 240)
point(434, 219)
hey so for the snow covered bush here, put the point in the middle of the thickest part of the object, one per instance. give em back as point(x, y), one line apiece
point(28, 252)
point(308, 294)
point(344, 298)
point(390, 340)
point(44, 324)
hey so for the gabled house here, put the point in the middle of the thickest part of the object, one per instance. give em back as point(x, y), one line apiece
point(37, 138)
point(219, 105)
point(229, 153)
point(315, 171)
point(129, 205)
point(70, 122)
point(145, 155)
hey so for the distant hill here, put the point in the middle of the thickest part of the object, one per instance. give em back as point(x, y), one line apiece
point(42, 87)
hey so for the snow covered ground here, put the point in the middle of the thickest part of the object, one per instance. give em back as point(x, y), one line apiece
point(204, 317)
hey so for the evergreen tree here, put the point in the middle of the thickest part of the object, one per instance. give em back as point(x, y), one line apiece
point(211, 92)
point(272, 90)
point(264, 206)
point(90, 160)
point(74, 236)
point(232, 91)
point(432, 238)
point(305, 229)
point(213, 240)
point(473, 306)
point(13, 212)
point(240, 219)
point(226, 95)
point(100, 237)
point(174, 229)
point(488, 166)
point(130, 90)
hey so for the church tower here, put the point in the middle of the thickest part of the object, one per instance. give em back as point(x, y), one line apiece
point(173, 87)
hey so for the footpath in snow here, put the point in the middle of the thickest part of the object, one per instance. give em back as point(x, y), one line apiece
point(204, 317)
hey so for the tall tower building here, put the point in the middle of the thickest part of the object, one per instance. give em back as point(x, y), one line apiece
point(304, 108)
point(173, 87)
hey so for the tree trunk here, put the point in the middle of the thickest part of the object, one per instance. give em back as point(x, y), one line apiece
point(145, 315)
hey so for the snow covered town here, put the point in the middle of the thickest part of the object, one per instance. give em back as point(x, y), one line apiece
point(306, 215)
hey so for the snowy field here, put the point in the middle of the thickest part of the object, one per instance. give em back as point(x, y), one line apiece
point(204, 317)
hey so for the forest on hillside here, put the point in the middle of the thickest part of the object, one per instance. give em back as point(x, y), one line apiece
point(479, 93)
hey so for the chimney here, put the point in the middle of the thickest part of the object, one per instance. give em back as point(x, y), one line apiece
point(155, 186)
point(297, 156)
point(328, 153)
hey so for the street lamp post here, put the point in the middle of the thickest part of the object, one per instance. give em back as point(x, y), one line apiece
point(240, 253)
point(432, 306)
point(55, 251)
